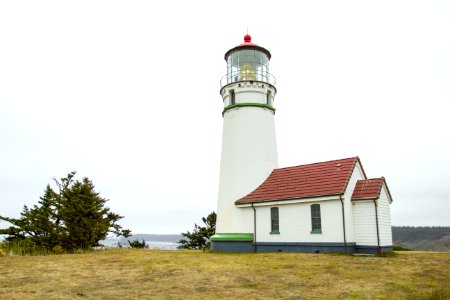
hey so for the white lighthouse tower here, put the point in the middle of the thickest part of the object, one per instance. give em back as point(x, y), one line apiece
point(249, 149)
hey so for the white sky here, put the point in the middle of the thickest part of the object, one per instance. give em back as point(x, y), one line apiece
point(127, 94)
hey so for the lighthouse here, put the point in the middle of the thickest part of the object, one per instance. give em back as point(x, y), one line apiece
point(249, 149)
point(328, 206)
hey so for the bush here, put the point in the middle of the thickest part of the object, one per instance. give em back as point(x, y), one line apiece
point(58, 249)
point(22, 247)
point(137, 244)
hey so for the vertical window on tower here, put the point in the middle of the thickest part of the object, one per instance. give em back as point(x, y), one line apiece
point(316, 223)
point(275, 221)
point(269, 98)
point(232, 97)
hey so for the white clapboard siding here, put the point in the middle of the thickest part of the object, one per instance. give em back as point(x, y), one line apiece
point(295, 223)
point(384, 218)
point(365, 223)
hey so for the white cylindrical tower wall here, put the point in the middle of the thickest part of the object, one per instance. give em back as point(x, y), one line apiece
point(249, 150)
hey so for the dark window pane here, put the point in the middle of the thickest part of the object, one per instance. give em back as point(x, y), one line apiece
point(274, 219)
point(316, 222)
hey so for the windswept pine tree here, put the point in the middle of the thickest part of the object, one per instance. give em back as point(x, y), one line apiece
point(72, 217)
point(200, 237)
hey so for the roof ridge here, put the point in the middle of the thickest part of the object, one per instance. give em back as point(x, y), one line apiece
point(320, 162)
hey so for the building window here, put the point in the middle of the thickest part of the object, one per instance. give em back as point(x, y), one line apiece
point(274, 220)
point(269, 98)
point(232, 97)
point(316, 223)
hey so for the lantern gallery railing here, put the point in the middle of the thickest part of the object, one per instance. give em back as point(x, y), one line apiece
point(247, 75)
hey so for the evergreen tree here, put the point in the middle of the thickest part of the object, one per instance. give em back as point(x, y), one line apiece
point(75, 217)
point(200, 237)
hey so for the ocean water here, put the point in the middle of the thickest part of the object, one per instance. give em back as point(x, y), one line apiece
point(113, 243)
point(155, 245)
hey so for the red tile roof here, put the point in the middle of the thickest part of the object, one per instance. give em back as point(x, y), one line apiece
point(312, 180)
point(368, 188)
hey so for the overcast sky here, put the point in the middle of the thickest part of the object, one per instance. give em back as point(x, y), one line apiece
point(127, 94)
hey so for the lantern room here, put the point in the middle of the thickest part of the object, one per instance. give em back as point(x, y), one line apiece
point(247, 62)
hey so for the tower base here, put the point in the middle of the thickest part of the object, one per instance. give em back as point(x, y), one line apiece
point(232, 242)
point(232, 247)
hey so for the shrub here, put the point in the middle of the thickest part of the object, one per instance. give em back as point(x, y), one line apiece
point(22, 247)
point(58, 249)
point(137, 244)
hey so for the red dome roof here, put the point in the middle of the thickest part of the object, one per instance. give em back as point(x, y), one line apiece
point(247, 44)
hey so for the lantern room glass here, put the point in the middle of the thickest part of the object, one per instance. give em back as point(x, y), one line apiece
point(248, 65)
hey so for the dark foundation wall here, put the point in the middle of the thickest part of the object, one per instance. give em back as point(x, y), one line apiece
point(361, 249)
point(306, 247)
point(283, 247)
point(350, 248)
point(232, 246)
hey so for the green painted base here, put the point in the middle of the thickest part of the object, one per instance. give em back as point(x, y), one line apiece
point(232, 237)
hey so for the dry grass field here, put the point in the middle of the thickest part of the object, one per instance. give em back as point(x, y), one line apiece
point(147, 274)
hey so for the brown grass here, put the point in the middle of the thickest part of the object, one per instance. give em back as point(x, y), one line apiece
point(146, 274)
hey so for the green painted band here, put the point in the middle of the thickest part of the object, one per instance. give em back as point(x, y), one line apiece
point(248, 104)
point(232, 237)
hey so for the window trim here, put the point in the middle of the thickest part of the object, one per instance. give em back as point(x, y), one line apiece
point(274, 222)
point(315, 208)
point(269, 98)
point(232, 97)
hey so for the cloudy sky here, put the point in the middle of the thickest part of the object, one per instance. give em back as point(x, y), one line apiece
point(127, 94)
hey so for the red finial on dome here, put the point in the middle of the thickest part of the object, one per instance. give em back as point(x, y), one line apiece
point(247, 38)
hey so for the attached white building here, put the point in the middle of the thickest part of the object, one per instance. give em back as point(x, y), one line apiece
point(322, 207)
